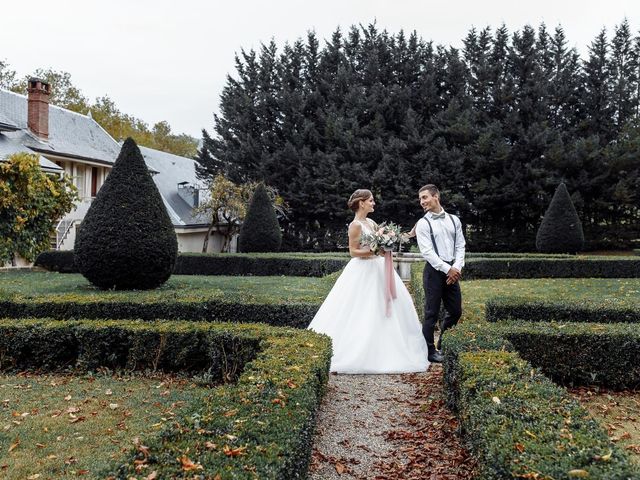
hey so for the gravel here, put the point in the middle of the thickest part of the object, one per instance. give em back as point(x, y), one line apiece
point(356, 414)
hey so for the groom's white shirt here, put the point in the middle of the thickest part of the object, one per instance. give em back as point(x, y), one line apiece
point(444, 233)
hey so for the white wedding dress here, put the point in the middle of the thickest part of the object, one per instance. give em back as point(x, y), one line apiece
point(364, 339)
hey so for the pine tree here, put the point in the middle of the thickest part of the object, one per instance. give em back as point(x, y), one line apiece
point(126, 240)
point(623, 65)
point(260, 231)
point(561, 229)
point(597, 93)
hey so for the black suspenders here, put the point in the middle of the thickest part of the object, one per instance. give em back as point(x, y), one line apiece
point(433, 240)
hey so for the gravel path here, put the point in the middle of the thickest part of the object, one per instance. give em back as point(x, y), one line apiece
point(387, 427)
point(355, 415)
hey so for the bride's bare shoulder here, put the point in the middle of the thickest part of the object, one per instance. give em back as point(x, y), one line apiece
point(355, 226)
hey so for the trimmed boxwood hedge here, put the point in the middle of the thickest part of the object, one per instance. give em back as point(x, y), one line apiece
point(267, 417)
point(259, 265)
point(557, 267)
point(517, 308)
point(297, 315)
point(516, 421)
point(290, 264)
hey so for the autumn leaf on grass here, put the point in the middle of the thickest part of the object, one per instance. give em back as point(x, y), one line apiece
point(144, 450)
point(188, 465)
point(234, 452)
point(578, 473)
point(14, 445)
point(532, 475)
point(152, 476)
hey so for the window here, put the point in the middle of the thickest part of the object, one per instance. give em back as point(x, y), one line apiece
point(94, 181)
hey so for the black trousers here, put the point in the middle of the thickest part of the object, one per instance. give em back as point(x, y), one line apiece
point(437, 291)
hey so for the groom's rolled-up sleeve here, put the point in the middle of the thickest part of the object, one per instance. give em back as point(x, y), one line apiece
point(459, 247)
point(426, 247)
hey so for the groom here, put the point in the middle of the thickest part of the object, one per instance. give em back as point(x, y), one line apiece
point(442, 244)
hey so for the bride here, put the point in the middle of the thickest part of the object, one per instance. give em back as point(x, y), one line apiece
point(365, 339)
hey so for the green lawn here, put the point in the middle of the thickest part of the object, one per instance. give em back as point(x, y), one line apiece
point(618, 412)
point(63, 426)
point(188, 288)
point(475, 293)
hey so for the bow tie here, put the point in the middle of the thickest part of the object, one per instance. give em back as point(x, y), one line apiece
point(438, 215)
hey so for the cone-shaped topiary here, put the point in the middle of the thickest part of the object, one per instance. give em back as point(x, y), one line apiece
point(126, 240)
point(260, 231)
point(561, 229)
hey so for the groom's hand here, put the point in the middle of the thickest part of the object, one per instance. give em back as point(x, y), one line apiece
point(453, 276)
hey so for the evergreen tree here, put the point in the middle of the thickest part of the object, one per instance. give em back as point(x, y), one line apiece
point(498, 125)
point(623, 65)
point(596, 101)
point(260, 231)
point(126, 240)
point(561, 229)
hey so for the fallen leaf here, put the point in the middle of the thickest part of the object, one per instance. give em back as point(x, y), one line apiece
point(188, 465)
point(14, 445)
point(578, 473)
point(233, 452)
point(340, 468)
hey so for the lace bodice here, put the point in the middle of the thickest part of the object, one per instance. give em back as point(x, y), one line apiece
point(367, 225)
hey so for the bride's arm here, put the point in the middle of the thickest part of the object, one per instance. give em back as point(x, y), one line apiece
point(355, 231)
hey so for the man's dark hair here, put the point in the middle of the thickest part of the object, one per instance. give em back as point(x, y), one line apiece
point(431, 188)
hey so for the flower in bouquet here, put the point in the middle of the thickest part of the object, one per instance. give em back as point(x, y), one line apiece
point(387, 237)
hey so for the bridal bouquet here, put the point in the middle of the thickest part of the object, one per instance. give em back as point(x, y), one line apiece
point(387, 237)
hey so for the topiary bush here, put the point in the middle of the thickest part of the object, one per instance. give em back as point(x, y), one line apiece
point(126, 240)
point(260, 231)
point(561, 229)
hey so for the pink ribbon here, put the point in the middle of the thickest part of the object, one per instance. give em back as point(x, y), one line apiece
point(390, 284)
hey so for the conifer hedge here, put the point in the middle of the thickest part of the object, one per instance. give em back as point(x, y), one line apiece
point(260, 231)
point(126, 240)
point(561, 229)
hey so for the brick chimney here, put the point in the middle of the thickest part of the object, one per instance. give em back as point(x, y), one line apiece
point(38, 107)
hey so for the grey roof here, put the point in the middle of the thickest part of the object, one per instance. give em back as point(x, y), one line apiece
point(79, 136)
point(173, 170)
point(10, 143)
point(70, 134)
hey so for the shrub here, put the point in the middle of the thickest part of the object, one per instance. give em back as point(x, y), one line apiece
point(290, 314)
point(259, 265)
point(531, 267)
point(267, 416)
point(561, 229)
point(57, 261)
point(126, 240)
point(517, 422)
point(31, 202)
point(260, 231)
point(517, 308)
point(276, 264)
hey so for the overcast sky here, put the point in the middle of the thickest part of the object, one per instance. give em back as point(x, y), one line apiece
point(168, 60)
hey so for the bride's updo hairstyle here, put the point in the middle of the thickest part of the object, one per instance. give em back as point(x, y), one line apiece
point(356, 197)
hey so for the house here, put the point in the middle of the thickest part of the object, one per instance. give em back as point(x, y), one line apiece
point(75, 144)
